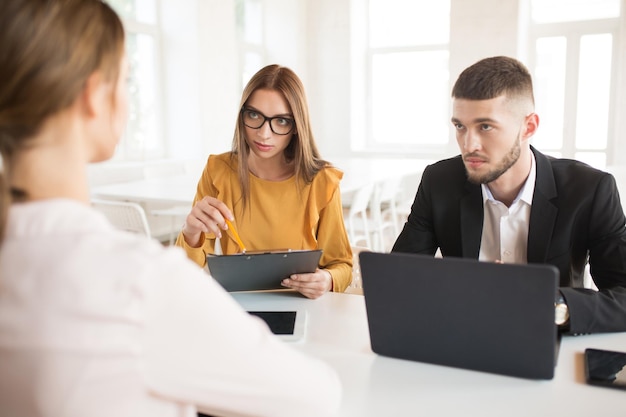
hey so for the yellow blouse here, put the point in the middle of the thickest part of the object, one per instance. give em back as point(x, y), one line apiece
point(279, 216)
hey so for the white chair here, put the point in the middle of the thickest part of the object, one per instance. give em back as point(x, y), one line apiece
point(408, 188)
point(167, 219)
point(124, 215)
point(372, 218)
point(176, 216)
point(358, 219)
point(389, 202)
point(385, 227)
point(403, 209)
point(356, 285)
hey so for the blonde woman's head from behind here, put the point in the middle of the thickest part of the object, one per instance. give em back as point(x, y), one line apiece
point(56, 55)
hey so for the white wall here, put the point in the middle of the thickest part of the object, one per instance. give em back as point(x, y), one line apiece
point(200, 65)
point(319, 40)
point(286, 35)
point(481, 29)
point(201, 68)
point(219, 79)
point(181, 73)
point(328, 52)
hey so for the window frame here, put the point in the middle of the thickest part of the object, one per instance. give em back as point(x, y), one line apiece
point(573, 31)
point(369, 143)
point(125, 152)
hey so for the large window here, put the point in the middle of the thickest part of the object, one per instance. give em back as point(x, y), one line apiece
point(408, 77)
point(143, 138)
point(574, 45)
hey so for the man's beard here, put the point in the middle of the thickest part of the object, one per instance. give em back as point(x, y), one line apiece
point(505, 163)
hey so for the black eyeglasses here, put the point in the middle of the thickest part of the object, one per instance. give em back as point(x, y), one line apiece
point(280, 125)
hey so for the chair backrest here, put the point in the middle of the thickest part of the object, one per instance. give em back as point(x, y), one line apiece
point(361, 199)
point(390, 188)
point(124, 215)
point(356, 285)
point(358, 215)
point(387, 202)
point(383, 213)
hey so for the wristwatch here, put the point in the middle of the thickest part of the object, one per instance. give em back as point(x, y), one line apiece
point(561, 312)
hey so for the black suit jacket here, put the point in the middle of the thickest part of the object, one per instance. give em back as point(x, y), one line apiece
point(576, 216)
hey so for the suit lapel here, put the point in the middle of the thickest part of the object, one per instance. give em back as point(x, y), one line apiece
point(543, 212)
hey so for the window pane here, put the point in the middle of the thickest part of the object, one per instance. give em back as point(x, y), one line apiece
point(546, 11)
point(141, 138)
point(595, 159)
point(143, 11)
point(549, 82)
point(594, 81)
point(408, 22)
point(410, 98)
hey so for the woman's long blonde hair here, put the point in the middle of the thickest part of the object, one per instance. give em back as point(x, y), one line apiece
point(48, 50)
point(302, 149)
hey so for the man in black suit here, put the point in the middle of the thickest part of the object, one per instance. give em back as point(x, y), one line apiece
point(501, 200)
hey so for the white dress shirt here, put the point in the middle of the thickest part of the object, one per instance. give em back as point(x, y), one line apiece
point(505, 229)
point(97, 322)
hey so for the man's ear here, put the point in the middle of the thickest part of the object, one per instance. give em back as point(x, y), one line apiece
point(531, 124)
point(93, 97)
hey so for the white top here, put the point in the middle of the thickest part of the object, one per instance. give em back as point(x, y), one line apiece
point(96, 322)
point(505, 229)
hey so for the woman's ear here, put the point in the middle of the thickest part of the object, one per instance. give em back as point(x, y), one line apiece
point(94, 97)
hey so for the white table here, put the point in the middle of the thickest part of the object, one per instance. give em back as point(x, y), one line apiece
point(175, 190)
point(166, 200)
point(378, 386)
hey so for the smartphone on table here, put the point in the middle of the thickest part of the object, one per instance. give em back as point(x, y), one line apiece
point(605, 368)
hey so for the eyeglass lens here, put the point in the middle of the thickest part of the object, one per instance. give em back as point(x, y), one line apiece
point(279, 125)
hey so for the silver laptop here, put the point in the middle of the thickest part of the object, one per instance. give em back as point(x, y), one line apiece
point(489, 317)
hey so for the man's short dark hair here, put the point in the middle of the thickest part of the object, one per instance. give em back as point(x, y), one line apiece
point(492, 77)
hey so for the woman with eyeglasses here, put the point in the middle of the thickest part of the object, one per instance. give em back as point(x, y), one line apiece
point(273, 187)
point(95, 321)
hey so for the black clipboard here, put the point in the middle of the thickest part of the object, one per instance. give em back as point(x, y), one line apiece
point(253, 271)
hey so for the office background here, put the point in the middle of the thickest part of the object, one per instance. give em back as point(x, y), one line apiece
point(378, 73)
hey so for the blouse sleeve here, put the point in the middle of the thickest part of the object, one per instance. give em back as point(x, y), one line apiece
point(205, 188)
point(202, 348)
point(333, 238)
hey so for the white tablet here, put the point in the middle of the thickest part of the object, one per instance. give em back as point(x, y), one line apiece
point(287, 325)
